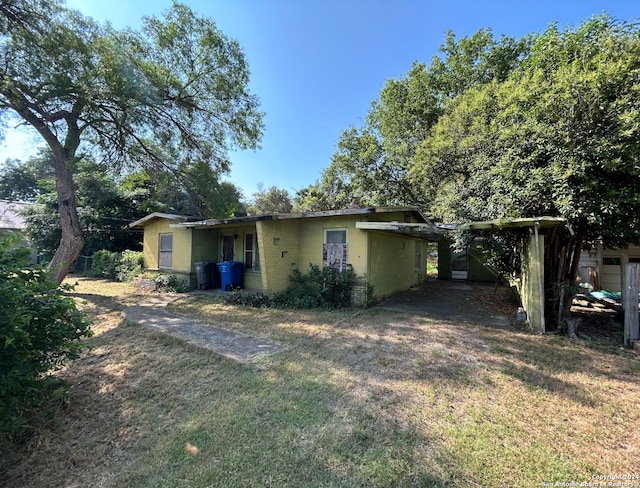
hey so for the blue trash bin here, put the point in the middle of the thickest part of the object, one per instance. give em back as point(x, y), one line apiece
point(230, 274)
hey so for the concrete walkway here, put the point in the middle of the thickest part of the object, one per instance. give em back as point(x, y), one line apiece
point(454, 301)
point(227, 343)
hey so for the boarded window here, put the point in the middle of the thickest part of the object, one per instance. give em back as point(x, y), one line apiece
point(334, 253)
point(166, 251)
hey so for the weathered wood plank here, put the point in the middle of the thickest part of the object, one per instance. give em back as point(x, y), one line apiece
point(630, 302)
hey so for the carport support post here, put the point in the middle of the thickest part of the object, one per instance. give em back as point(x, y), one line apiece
point(630, 303)
point(540, 279)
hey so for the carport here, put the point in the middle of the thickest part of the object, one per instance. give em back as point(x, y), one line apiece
point(530, 282)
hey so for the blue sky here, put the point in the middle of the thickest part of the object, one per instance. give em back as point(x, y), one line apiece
point(317, 65)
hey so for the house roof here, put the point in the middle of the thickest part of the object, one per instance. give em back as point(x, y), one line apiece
point(208, 223)
point(158, 215)
point(10, 217)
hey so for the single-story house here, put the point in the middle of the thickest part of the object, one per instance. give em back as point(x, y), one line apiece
point(386, 246)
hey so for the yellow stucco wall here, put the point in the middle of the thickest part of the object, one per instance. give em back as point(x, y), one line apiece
point(205, 245)
point(392, 263)
point(312, 238)
point(296, 243)
point(181, 256)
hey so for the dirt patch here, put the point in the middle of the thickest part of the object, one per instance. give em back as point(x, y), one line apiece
point(456, 301)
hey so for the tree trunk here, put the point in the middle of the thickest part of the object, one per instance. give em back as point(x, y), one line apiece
point(563, 253)
point(72, 240)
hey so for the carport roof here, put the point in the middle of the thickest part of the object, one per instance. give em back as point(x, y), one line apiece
point(426, 231)
point(435, 232)
point(515, 223)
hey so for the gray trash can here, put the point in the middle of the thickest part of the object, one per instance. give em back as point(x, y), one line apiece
point(203, 275)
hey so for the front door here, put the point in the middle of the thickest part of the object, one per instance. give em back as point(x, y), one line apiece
point(227, 248)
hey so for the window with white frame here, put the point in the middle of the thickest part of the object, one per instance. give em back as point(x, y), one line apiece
point(165, 257)
point(334, 251)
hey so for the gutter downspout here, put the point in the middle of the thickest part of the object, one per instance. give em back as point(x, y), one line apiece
point(540, 284)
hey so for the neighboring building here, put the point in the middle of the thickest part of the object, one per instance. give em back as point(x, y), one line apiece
point(12, 223)
point(387, 246)
point(603, 268)
point(10, 219)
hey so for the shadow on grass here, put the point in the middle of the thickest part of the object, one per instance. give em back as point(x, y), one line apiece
point(373, 398)
point(138, 397)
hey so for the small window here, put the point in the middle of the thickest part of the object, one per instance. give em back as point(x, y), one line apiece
point(335, 249)
point(418, 254)
point(250, 252)
point(611, 261)
point(166, 251)
point(228, 243)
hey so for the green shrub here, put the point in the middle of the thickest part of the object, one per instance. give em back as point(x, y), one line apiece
point(129, 265)
point(170, 283)
point(105, 264)
point(319, 288)
point(40, 329)
point(248, 298)
point(121, 266)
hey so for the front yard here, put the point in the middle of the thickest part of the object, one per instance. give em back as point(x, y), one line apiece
point(364, 399)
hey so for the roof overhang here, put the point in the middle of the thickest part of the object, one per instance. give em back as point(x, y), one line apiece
point(211, 223)
point(515, 223)
point(426, 231)
point(158, 215)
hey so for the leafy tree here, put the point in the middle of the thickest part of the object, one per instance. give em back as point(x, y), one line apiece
point(103, 208)
point(273, 200)
point(17, 182)
point(24, 181)
point(173, 93)
point(372, 163)
point(196, 192)
point(559, 137)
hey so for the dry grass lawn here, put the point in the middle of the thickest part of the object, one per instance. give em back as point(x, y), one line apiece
point(355, 399)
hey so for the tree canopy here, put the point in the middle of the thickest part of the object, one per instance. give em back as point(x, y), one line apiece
point(372, 163)
point(545, 125)
point(169, 96)
point(270, 201)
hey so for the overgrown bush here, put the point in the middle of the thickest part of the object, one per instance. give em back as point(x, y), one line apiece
point(129, 266)
point(121, 266)
point(248, 298)
point(105, 264)
point(40, 329)
point(319, 288)
point(172, 283)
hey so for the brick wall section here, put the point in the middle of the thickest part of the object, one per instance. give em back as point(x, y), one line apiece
point(279, 242)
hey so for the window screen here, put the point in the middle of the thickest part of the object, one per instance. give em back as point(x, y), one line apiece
point(335, 249)
point(248, 251)
point(166, 251)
